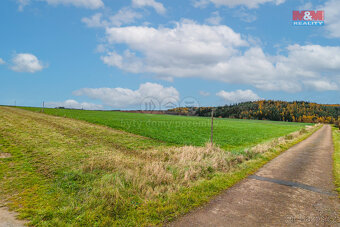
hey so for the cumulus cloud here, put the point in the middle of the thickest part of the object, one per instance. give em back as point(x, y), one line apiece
point(123, 16)
point(172, 51)
point(89, 4)
point(232, 3)
point(238, 96)
point(73, 104)
point(25, 62)
point(332, 22)
point(151, 3)
point(218, 53)
point(321, 85)
point(332, 15)
point(95, 21)
point(124, 97)
point(22, 4)
point(244, 15)
point(215, 18)
point(2, 62)
point(201, 3)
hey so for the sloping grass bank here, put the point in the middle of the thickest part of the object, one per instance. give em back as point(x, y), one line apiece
point(336, 158)
point(64, 172)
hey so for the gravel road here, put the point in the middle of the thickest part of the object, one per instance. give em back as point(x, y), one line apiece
point(296, 188)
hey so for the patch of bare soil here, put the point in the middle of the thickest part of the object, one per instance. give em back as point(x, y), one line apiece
point(8, 219)
point(5, 155)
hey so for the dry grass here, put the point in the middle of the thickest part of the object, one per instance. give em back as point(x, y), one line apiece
point(92, 175)
point(264, 147)
point(173, 167)
point(170, 168)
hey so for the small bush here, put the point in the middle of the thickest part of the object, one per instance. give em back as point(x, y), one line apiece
point(337, 124)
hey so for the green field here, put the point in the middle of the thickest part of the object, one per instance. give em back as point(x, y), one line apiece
point(336, 157)
point(229, 134)
point(59, 171)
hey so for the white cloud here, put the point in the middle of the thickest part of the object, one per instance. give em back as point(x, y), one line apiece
point(73, 104)
point(95, 21)
point(201, 3)
point(113, 59)
point(174, 51)
point(124, 97)
point(238, 96)
point(25, 62)
point(151, 3)
point(313, 58)
point(2, 62)
point(89, 4)
point(204, 93)
point(123, 16)
point(217, 53)
point(306, 6)
point(101, 48)
point(244, 15)
point(321, 85)
point(215, 19)
point(332, 15)
point(22, 4)
point(232, 3)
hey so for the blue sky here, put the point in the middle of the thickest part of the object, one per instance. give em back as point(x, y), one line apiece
point(101, 54)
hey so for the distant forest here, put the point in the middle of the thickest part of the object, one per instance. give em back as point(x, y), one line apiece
point(271, 110)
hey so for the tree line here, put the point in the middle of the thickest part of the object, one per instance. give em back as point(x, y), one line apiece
point(297, 111)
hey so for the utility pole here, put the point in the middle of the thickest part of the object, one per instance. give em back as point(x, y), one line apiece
point(212, 126)
point(43, 106)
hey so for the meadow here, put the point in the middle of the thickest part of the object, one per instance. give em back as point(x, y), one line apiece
point(336, 158)
point(229, 134)
point(58, 171)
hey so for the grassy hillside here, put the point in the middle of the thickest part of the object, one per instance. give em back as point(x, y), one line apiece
point(63, 172)
point(228, 133)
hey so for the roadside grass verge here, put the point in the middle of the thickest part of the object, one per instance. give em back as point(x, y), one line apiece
point(64, 172)
point(229, 134)
point(336, 158)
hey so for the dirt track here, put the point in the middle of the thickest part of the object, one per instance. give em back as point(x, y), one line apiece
point(7, 219)
point(296, 188)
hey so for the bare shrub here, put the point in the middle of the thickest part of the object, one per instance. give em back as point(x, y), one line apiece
point(337, 124)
